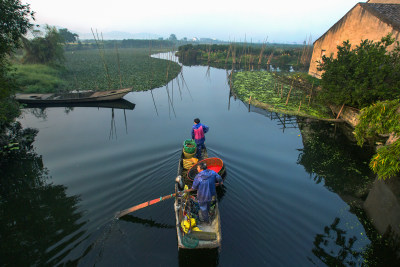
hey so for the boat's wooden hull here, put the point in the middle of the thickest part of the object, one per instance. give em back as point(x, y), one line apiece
point(115, 104)
point(72, 98)
point(214, 227)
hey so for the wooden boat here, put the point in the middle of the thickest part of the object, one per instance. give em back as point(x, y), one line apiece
point(210, 235)
point(115, 104)
point(72, 97)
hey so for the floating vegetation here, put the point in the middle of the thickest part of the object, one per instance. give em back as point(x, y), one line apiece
point(266, 90)
point(130, 67)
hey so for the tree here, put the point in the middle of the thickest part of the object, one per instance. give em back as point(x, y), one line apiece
point(14, 23)
point(359, 77)
point(68, 36)
point(172, 37)
point(44, 50)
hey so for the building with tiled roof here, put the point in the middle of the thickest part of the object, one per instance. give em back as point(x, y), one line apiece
point(371, 20)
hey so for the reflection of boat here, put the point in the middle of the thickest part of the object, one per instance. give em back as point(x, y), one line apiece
point(72, 97)
point(209, 236)
point(117, 104)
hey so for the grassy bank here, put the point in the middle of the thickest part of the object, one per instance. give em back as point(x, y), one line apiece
point(37, 78)
point(86, 70)
point(276, 93)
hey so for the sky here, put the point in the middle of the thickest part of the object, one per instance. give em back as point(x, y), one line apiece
point(251, 20)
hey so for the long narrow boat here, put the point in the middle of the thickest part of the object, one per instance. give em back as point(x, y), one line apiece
point(72, 97)
point(115, 104)
point(208, 235)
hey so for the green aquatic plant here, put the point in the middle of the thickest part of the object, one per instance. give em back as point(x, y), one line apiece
point(266, 90)
point(381, 118)
point(84, 70)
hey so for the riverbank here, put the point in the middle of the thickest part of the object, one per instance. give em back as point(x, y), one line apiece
point(86, 70)
point(382, 204)
point(379, 199)
point(271, 91)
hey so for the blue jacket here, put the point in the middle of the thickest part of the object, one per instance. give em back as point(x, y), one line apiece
point(198, 131)
point(204, 182)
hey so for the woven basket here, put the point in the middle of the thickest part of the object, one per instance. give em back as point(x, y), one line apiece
point(215, 164)
point(188, 163)
point(188, 155)
point(189, 146)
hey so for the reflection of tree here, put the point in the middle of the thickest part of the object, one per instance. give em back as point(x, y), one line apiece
point(39, 113)
point(34, 215)
point(198, 257)
point(330, 157)
point(334, 249)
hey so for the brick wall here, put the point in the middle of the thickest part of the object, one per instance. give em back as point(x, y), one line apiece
point(357, 25)
point(384, 1)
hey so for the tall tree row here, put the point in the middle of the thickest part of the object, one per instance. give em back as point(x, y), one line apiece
point(14, 23)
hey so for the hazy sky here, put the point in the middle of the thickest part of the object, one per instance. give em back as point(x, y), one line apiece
point(280, 21)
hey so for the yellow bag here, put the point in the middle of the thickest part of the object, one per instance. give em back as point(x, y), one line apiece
point(188, 163)
point(186, 224)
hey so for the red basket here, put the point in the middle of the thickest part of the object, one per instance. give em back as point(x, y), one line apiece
point(215, 164)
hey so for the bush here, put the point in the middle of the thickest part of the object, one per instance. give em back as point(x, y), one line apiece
point(361, 76)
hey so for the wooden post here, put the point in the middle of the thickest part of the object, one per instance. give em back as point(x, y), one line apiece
point(340, 112)
point(299, 107)
point(309, 100)
point(282, 90)
point(287, 99)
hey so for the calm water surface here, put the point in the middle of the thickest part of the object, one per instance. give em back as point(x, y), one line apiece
point(281, 205)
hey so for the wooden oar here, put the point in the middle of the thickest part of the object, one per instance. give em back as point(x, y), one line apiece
point(148, 203)
point(151, 202)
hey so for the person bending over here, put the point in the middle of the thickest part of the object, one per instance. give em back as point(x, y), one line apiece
point(204, 183)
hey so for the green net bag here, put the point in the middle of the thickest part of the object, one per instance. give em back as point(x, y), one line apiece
point(190, 241)
point(189, 146)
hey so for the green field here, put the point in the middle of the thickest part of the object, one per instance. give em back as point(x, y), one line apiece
point(267, 90)
point(86, 70)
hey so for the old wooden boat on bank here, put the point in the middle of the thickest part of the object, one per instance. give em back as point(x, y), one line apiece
point(72, 97)
point(191, 232)
point(113, 104)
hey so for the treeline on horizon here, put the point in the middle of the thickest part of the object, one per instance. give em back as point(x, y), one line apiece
point(246, 54)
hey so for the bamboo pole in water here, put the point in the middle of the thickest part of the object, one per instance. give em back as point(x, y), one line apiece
point(261, 54)
point(119, 66)
point(227, 55)
point(287, 99)
point(102, 57)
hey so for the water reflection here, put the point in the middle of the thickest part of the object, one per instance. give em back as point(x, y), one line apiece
point(335, 248)
point(329, 157)
point(39, 222)
point(283, 120)
point(198, 257)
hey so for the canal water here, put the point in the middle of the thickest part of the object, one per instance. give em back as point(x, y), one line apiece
point(284, 200)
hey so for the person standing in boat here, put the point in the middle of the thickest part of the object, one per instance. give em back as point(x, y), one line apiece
point(204, 183)
point(198, 131)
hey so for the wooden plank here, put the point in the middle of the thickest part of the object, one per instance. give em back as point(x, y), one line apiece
point(201, 235)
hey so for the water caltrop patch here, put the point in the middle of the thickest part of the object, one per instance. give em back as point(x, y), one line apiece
point(264, 89)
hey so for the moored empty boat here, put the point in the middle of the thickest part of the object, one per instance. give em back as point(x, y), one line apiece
point(72, 97)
